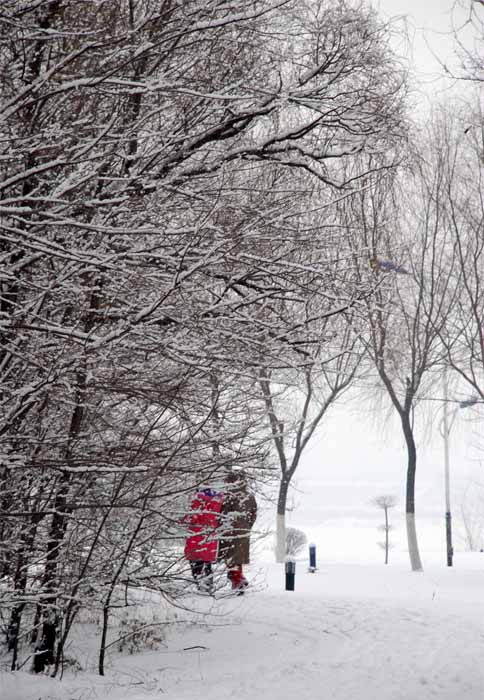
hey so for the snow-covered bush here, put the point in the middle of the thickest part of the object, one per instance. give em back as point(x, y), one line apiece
point(137, 635)
point(295, 541)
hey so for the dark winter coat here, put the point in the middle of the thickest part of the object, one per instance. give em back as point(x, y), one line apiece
point(239, 511)
point(203, 522)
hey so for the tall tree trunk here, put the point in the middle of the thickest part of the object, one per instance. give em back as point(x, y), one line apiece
point(112, 587)
point(281, 520)
point(73, 605)
point(20, 583)
point(45, 649)
point(413, 550)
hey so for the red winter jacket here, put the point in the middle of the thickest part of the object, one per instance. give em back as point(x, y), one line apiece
point(203, 522)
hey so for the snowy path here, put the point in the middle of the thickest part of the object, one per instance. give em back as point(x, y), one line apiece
point(304, 645)
point(346, 633)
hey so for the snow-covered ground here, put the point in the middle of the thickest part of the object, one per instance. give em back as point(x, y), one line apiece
point(348, 632)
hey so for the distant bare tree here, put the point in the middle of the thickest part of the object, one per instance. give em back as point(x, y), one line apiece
point(404, 245)
point(472, 517)
point(311, 392)
point(462, 175)
point(385, 502)
point(295, 541)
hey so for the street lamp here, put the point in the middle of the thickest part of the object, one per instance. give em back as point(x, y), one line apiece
point(447, 428)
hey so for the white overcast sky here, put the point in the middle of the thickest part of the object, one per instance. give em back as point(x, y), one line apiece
point(357, 456)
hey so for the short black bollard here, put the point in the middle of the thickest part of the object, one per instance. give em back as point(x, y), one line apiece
point(290, 574)
point(312, 558)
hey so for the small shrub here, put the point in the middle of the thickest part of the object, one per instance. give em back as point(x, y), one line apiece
point(295, 541)
point(72, 663)
point(136, 636)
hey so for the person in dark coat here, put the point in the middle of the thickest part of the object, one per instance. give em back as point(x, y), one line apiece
point(201, 545)
point(239, 511)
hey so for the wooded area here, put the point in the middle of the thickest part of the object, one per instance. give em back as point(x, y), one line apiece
point(197, 202)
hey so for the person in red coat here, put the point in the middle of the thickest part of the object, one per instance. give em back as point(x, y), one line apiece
point(201, 546)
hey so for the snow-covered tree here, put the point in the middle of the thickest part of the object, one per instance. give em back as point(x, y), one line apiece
point(139, 261)
point(403, 220)
point(461, 172)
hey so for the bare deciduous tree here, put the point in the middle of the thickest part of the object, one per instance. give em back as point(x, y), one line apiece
point(407, 243)
point(472, 517)
point(468, 35)
point(462, 173)
point(385, 502)
point(139, 261)
point(308, 394)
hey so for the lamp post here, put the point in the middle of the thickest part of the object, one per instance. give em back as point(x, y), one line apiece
point(447, 425)
point(448, 516)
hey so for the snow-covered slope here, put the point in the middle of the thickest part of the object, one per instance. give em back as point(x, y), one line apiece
point(348, 632)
